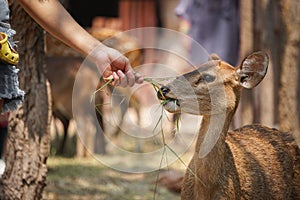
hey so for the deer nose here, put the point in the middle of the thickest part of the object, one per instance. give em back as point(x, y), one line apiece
point(161, 94)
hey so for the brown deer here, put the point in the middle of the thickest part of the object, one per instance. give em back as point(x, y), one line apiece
point(61, 59)
point(252, 162)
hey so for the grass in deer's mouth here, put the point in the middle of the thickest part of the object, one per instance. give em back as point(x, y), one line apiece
point(157, 87)
point(165, 101)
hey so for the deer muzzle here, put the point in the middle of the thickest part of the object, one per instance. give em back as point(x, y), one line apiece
point(169, 101)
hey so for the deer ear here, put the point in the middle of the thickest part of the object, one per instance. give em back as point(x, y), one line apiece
point(213, 56)
point(253, 69)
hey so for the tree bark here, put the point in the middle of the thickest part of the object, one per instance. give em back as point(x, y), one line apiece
point(246, 108)
point(288, 116)
point(264, 41)
point(28, 142)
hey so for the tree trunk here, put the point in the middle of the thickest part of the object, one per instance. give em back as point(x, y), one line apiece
point(264, 41)
point(273, 26)
point(288, 116)
point(28, 142)
point(246, 109)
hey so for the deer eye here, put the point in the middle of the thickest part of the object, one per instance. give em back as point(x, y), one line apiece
point(205, 78)
point(208, 78)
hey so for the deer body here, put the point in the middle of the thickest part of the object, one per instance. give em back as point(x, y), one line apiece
point(253, 162)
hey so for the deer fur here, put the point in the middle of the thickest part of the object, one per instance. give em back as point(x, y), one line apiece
point(252, 162)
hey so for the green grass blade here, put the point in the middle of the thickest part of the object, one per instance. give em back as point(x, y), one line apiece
point(187, 167)
point(157, 177)
point(100, 89)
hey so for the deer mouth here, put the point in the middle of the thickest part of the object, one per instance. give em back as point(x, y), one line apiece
point(170, 103)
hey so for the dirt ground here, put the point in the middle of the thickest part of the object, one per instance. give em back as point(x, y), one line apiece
point(87, 179)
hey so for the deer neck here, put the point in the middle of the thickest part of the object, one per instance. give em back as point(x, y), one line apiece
point(209, 163)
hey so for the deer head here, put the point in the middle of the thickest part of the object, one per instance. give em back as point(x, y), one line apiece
point(213, 87)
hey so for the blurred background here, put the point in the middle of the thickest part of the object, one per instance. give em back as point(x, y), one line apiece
point(231, 28)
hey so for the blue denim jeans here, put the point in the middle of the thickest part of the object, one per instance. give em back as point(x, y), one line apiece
point(9, 84)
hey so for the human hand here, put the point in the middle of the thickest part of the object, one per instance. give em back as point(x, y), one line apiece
point(113, 65)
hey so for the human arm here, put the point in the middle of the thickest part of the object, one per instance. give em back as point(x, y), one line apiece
point(52, 16)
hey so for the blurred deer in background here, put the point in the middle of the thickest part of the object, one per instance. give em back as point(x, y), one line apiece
point(252, 162)
point(63, 60)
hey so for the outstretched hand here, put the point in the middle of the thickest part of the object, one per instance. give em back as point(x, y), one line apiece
point(52, 16)
point(113, 65)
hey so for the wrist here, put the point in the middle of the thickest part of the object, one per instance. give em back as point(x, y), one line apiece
point(97, 52)
point(100, 57)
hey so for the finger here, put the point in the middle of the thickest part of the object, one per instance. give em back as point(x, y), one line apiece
point(116, 79)
point(121, 63)
point(127, 65)
point(108, 78)
point(123, 79)
point(138, 78)
point(130, 78)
